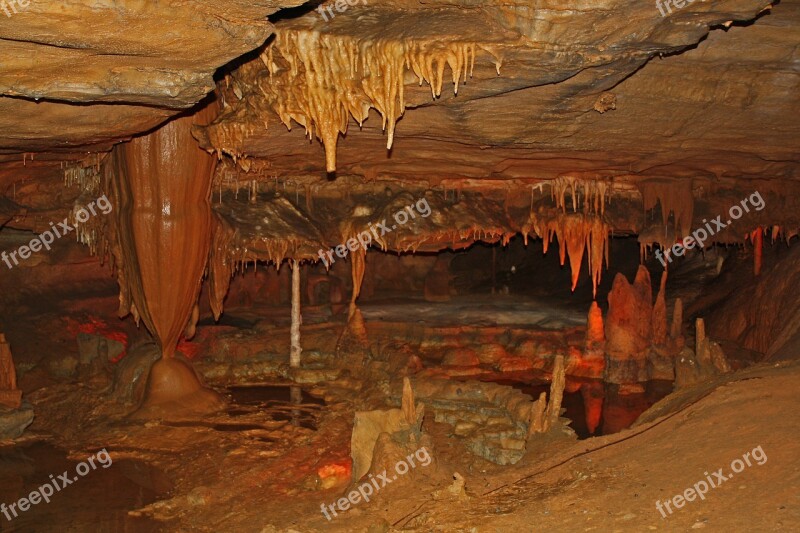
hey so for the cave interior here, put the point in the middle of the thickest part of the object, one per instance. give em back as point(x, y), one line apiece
point(290, 266)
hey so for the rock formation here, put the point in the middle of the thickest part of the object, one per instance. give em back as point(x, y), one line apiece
point(629, 328)
point(161, 184)
point(403, 425)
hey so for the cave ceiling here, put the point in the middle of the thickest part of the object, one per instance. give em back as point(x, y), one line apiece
point(427, 93)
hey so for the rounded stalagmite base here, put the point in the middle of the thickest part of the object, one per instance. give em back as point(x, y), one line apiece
point(174, 390)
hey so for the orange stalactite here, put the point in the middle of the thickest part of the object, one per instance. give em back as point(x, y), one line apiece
point(576, 233)
point(675, 196)
point(575, 237)
point(776, 233)
point(359, 266)
point(757, 238)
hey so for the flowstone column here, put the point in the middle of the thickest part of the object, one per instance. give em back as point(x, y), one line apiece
point(161, 182)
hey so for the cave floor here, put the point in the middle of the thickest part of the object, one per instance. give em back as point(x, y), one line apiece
point(263, 476)
point(256, 466)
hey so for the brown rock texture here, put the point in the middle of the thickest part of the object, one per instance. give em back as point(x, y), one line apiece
point(747, 316)
point(153, 57)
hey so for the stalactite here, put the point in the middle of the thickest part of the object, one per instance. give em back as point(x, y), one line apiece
point(358, 267)
point(675, 196)
point(86, 177)
point(598, 250)
point(220, 266)
point(320, 80)
point(776, 233)
point(594, 194)
point(161, 196)
point(576, 232)
point(757, 238)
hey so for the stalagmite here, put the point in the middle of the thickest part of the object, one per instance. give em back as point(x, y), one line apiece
point(556, 394)
point(710, 357)
point(676, 327)
point(296, 350)
point(536, 424)
point(629, 328)
point(407, 404)
point(595, 333)
point(544, 414)
point(660, 313)
point(700, 333)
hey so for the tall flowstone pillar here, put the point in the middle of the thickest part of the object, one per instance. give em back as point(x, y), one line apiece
point(161, 182)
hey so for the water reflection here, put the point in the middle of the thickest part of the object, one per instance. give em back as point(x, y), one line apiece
point(99, 501)
point(596, 408)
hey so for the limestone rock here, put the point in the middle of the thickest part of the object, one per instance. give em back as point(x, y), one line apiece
point(14, 421)
point(400, 424)
point(130, 374)
point(92, 347)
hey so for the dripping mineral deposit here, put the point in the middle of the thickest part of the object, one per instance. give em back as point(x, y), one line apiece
point(48, 237)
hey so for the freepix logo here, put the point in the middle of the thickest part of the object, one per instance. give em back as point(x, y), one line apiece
point(340, 5)
point(364, 239)
point(374, 484)
point(56, 484)
point(661, 4)
point(711, 481)
point(699, 236)
point(10, 6)
point(48, 237)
